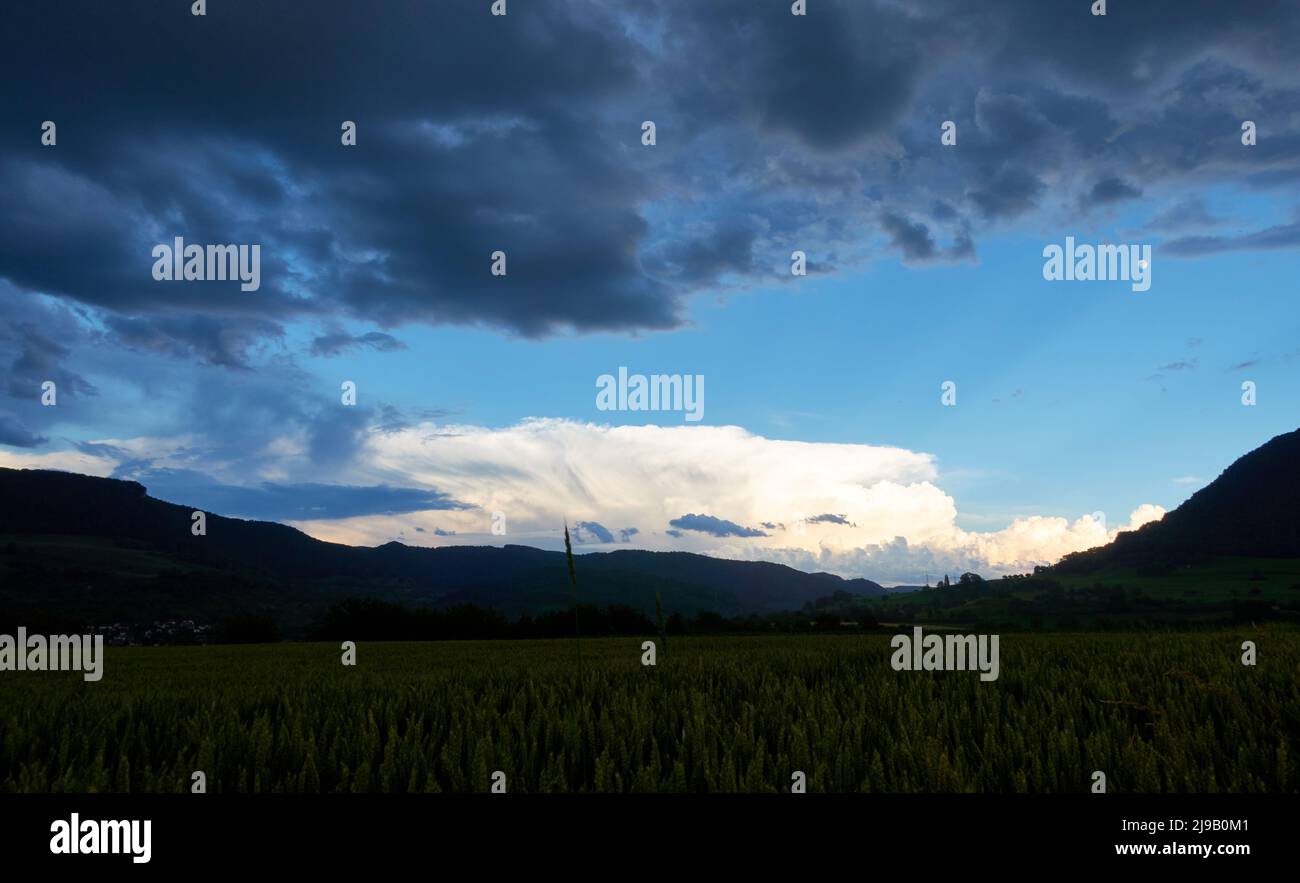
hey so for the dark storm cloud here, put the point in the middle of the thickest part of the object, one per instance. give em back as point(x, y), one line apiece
point(283, 502)
point(1134, 43)
point(828, 80)
point(727, 249)
point(222, 341)
point(38, 358)
point(717, 527)
point(1112, 189)
point(95, 238)
point(13, 432)
point(1007, 193)
point(37, 339)
point(400, 228)
point(1010, 124)
point(521, 134)
point(913, 239)
point(241, 417)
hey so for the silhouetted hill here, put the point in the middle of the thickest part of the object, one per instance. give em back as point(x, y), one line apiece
point(104, 549)
point(1252, 510)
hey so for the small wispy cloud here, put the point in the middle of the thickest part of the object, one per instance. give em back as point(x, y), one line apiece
point(339, 342)
point(830, 518)
point(1185, 214)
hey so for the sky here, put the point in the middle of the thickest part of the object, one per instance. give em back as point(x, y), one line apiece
point(923, 400)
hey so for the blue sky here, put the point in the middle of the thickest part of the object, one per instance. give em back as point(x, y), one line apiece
point(476, 394)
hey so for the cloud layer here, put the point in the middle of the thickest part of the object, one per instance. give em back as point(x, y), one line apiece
point(522, 133)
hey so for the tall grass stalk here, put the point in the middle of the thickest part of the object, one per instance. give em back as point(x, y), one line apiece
point(573, 578)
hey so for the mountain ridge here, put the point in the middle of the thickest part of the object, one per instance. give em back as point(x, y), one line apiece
point(272, 565)
point(1251, 510)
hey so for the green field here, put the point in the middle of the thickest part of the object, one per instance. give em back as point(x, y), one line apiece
point(1156, 712)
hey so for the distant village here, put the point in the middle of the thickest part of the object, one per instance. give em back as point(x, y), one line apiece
point(167, 631)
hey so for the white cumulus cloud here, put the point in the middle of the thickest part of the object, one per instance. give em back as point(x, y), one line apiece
point(888, 519)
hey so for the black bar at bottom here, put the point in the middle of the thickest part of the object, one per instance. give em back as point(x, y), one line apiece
point(642, 835)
